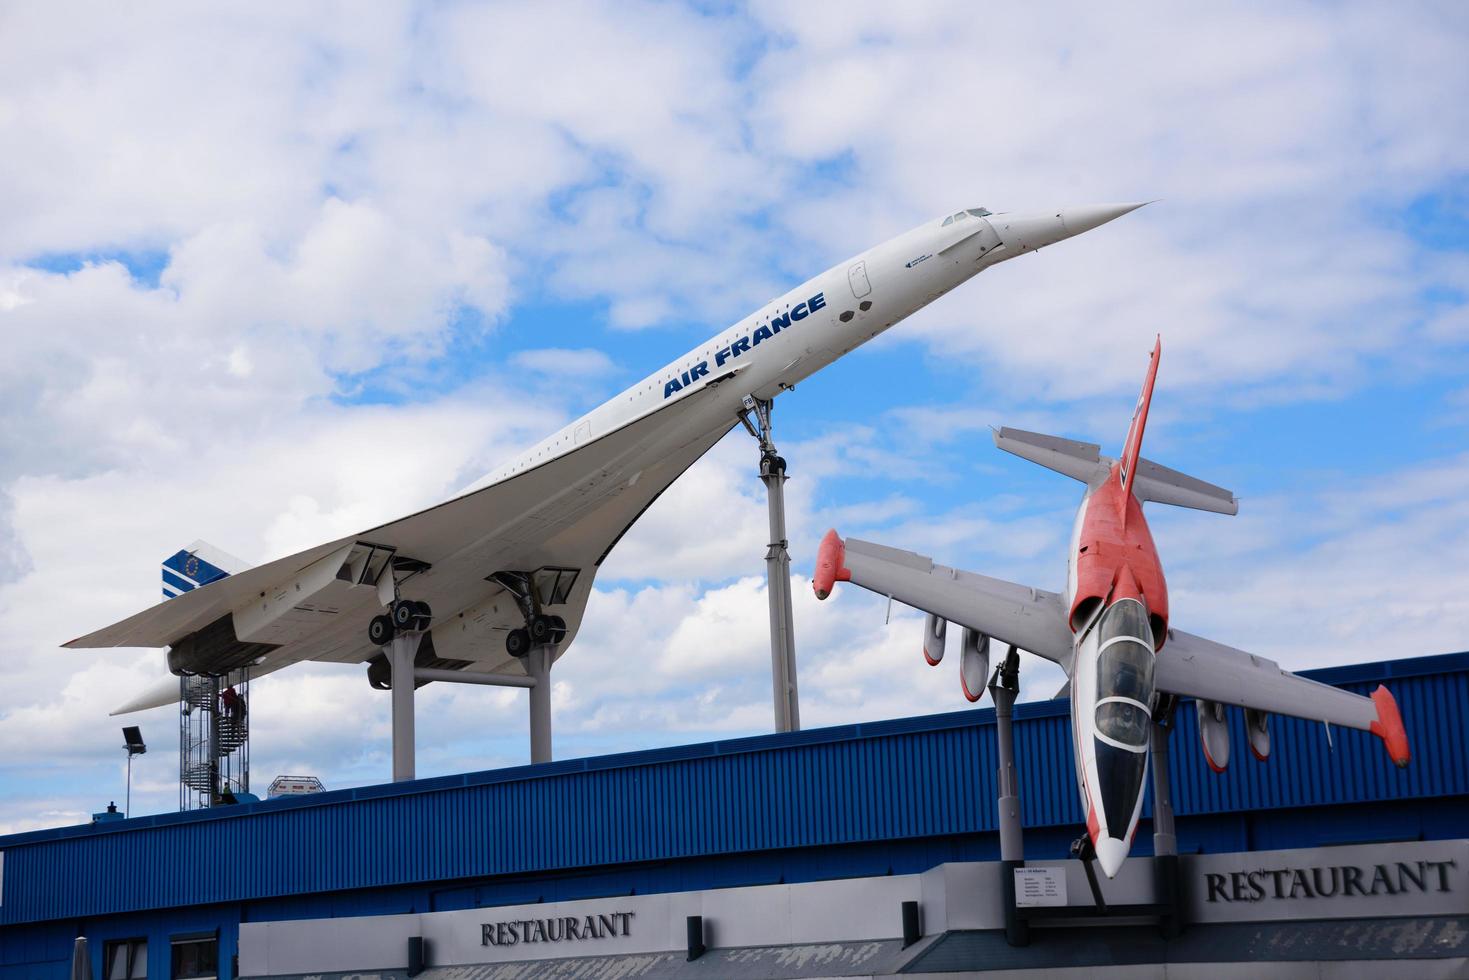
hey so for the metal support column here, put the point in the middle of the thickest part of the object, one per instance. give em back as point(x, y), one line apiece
point(1004, 688)
point(538, 666)
point(1165, 839)
point(777, 571)
point(400, 651)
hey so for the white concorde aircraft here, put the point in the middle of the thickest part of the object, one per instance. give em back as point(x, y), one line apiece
point(509, 562)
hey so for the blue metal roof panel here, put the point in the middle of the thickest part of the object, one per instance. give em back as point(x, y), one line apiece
point(908, 778)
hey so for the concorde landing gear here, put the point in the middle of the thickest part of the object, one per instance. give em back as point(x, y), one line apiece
point(404, 615)
point(540, 629)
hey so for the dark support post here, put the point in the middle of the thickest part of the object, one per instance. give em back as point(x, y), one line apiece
point(1004, 688)
point(911, 929)
point(695, 925)
point(417, 961)
point(1165, 840)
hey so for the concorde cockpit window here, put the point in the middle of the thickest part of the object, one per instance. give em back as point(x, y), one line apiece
point(947, 221)
point(980, 212)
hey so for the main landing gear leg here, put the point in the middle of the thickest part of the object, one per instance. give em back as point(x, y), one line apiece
point(777, 571)
point(1004, 688)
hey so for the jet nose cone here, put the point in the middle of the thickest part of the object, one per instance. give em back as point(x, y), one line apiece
point(1085, 217)
point(1023, 233)
point(1111, 852)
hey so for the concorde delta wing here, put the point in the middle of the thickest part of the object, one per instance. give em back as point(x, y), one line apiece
point(1030, 619)
point(1194, 667)
point(572, 508)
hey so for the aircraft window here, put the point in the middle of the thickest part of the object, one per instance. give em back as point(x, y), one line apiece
point(1123, 721)
point(1125, 670)
point(947, 221)
point(961, 214)
point(981, 212)
point(1126, 617)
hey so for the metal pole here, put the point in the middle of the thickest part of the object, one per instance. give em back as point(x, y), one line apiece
point(401, 651)
point(784, 690)
point(1165, 838)
point(1004, 687)
point(127, 803)
point(538, 665)
point(464, 677)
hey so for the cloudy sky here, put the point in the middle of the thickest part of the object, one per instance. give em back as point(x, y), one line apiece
point(267, 277)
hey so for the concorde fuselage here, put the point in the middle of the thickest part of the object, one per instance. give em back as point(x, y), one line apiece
point(795, 334)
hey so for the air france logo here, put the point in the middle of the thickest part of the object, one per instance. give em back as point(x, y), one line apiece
point(744, 345)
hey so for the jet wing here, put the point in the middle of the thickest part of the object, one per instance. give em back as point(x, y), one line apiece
point(1194, 667)
point(1030, 619)
point(568, 511)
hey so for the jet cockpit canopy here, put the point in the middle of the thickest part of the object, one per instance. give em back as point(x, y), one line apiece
point(1125, 673)
point(958, 215)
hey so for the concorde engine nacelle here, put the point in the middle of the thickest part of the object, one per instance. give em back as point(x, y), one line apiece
point(1214, 733)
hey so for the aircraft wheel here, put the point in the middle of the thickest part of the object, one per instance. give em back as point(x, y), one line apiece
point(380, 631)
point(541, 628)
point(517, 643)
point(403, 613)
point(558, 629)
point(423, 615)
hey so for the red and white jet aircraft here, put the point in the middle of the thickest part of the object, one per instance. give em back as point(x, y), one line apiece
point(1110, 631)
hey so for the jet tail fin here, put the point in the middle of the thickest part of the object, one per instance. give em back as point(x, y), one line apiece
point(1133, 447)
point(198, 564)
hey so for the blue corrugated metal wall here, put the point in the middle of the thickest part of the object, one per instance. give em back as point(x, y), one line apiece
point(913, 779)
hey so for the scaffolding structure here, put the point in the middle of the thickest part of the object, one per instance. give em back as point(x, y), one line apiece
point(214, 738)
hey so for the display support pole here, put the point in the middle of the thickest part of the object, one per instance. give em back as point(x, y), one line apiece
point(1165, 839)
point(1004, 688)
point(400, 651)
point(538, 665)
point(784, 691)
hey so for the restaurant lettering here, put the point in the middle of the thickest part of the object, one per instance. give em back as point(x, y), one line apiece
point(563, 928)
point(1343, 880)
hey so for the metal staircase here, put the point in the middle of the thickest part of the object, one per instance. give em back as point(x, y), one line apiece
point(214, 738)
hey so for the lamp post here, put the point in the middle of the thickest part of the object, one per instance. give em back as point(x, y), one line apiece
point(133, 744)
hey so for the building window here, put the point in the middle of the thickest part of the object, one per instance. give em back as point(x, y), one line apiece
point(125, 959)
point(195, 957)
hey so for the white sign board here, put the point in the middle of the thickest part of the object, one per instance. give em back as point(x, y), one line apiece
point(1040, 886)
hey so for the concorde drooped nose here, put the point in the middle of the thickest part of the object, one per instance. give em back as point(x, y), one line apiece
point(1026, 232)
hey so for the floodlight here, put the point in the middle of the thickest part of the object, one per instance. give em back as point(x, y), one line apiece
point(132, 738)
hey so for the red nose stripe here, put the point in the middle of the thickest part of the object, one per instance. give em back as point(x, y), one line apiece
point(1092, 828)
point(1389, 726)
point(831, 566)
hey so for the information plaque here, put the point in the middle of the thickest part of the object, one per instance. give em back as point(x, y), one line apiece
point(1040, 886)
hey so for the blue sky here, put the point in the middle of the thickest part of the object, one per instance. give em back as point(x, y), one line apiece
point(241, 255)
